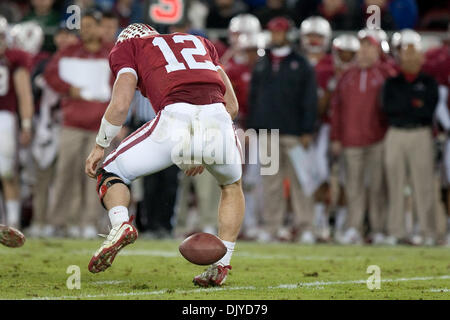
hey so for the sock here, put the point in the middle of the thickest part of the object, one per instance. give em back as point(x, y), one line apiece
point(225, 261)
point(320, 215)
point(13, 213)
point(118, 215)
point(341, 215)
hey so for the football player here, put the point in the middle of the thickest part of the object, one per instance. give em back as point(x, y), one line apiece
point(315, 37)
point(246, 25)
point(343, 49)
point(194, 102)
point(15, 96)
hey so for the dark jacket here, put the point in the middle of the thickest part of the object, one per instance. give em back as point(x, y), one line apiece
point(410, 104)
point(285, 99)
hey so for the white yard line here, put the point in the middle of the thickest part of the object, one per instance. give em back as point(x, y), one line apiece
point(315, 284)
point(440, 290)
point(112, 282)
point(176, 254)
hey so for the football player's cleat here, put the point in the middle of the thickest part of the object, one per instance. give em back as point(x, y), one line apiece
point(119, 237)
point(215, 275)
point(11, 237)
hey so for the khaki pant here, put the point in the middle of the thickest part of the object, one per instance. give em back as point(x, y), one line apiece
point(410, 151)
point(41, 194)
point(364, 173)
point(274, 204)
point(208, 195)
point(76, 201)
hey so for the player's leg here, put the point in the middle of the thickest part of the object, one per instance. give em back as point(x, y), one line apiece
point(232, 204)
point(8, 174)
point(11, 194)
point(231, 215)
point(120, 168)
point(231, 211)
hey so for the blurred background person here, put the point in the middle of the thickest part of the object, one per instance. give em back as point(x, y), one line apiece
point(128, 12)
point(80, 74)
point(222, 11)
point(42, 12)
point(109, 27)
point(409, 101)
point(283, 95)
point(28, 37)
point(16, 101)
point(437, 64)
point(242, 24)
point(244, 33)
point(273, 9)
point(315, 37)
point(344, 49)
point(46, 140)
point(357, 129)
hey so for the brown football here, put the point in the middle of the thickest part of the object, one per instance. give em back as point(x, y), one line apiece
point(202, 249)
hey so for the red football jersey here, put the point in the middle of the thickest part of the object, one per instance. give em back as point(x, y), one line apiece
point(437, 64)
point(324, 71)
point(240, 75)
point(172, 68)
point(9, 63)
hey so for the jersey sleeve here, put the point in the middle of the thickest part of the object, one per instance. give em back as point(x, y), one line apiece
point(212, 53)
point(21, 59)
point(122, 59)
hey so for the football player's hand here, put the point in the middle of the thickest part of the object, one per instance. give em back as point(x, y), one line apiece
point(194, 171)
point(336, 148)
point(25, 137)
point(92, 161)
point(75, 92)
point(306, 140)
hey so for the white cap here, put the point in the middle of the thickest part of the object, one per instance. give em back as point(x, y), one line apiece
point(28, 36)
point(410, 37)
point(3, 25)
point(316, 25)
point(244, 23)
point(346, 42)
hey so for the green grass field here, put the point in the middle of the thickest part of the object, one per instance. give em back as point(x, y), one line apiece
point(156, 270)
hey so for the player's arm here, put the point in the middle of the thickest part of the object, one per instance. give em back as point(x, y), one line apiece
point(112, 121)
point(22, 83)
point(231, 102)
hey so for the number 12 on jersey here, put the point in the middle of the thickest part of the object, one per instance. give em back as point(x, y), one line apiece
point(188, 54)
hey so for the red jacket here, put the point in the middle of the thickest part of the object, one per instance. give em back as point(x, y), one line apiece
point(356, 116)
point(79, 64)
point(240, 75)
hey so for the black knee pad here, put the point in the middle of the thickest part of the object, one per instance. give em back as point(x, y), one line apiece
point(102, 175)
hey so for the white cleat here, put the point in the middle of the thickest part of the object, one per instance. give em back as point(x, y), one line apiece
point(351, 236)
point(307, 238)
point(119, 237)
